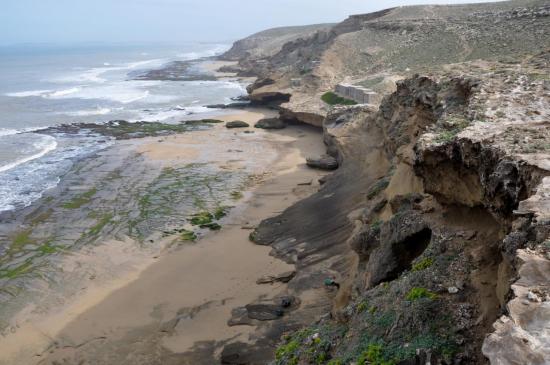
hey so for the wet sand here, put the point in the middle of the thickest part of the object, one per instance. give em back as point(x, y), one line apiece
point(180, 300)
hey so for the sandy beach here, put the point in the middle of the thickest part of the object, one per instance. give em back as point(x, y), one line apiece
point(157, 305)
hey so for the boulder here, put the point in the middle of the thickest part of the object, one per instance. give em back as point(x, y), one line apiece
point(236, 124)
point(264, 312)
point(324, 162)
point(270, 123)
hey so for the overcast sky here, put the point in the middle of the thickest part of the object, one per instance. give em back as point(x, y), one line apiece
point(172, 21)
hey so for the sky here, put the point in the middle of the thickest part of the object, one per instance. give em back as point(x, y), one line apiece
point(169, 21)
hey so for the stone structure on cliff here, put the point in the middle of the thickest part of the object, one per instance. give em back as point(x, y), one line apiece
point(360, 94)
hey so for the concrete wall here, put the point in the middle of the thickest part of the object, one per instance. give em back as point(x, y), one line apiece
point(360, 94)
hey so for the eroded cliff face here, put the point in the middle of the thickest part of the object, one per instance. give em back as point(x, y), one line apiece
point(431, 242)
point(435, 227)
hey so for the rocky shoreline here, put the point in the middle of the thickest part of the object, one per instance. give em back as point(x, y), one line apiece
point(428, 242)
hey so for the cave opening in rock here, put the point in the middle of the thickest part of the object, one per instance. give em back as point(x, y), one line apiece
point(409, 249)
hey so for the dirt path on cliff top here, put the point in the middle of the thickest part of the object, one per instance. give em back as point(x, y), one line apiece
point(184, 300)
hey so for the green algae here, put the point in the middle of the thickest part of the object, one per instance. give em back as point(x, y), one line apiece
point(22, 269)
point(80, 200)
point(201, 218)
point(188, 235)
point(21, 239)
point(104, 220)
point(236, 195)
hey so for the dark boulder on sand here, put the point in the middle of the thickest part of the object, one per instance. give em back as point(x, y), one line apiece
point(323, 163)
point(270, 123)
point(236, 124)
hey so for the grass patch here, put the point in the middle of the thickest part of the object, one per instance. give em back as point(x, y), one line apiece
point(333, 99)
point(447, 136)
point(423, 264)
point(419, 293)
point(374, 355)
point(80, 200)
point(454, 125)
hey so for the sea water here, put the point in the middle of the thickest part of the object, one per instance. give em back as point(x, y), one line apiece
point(46, 85)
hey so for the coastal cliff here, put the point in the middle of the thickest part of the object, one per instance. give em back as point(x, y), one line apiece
point(430, 243)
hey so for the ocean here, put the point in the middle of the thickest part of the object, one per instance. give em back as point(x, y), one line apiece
point(47, 85)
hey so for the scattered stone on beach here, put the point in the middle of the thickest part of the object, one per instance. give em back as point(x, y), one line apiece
point(281, 278)
point(264, 312)
point(239, 317)
point(270, 123)
point(324, 162)
point(236, 124)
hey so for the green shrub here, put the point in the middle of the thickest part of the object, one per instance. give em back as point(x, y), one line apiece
point(332, 99)
point(286, 349)
point(374, 355)
point(376, 225)
point(362, 306)
point(418, 293)
point(423, 264)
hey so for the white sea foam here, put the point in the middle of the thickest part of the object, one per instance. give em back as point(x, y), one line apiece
point(83, 113)
point(62, 93)
point(24, 94)
point(45, 146)
point(198, 109)
point(8, 132)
